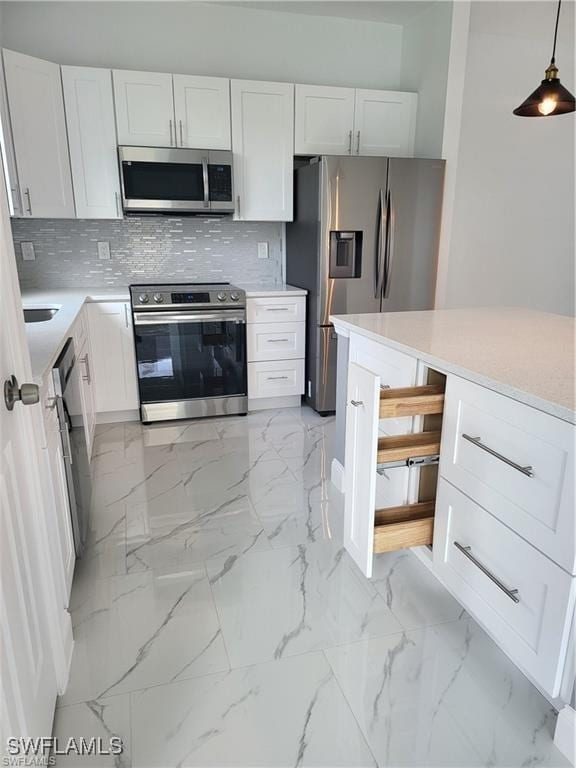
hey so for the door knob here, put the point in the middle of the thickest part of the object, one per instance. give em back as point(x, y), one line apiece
point(28, 394)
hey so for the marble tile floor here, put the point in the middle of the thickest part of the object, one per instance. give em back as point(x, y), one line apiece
point(219, 622)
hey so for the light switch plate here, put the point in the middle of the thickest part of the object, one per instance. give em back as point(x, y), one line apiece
point(104, 250)
point(28, 252)
point(263, 250)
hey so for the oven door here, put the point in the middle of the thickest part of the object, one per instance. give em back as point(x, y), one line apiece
point(184, 356)
point(164, 180)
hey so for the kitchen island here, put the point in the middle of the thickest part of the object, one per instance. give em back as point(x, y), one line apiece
point(455, 437)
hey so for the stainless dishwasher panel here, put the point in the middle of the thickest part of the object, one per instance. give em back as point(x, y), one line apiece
point(66, 377)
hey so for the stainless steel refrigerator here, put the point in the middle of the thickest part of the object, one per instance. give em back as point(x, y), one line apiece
point(364, 239)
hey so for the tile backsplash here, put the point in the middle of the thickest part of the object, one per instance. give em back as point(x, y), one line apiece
point(146, 249)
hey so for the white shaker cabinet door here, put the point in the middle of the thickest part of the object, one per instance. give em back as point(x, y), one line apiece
point(324, 120)
point(360, 461)
point(262, 142)
point(144, 108)
point(384, 123)
point(202, 106)
point(92, 141)
point(39, 131)
point(114, 361)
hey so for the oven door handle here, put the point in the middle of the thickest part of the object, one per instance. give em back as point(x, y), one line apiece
point(165, 318)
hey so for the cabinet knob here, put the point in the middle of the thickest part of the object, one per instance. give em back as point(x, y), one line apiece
point(356, 403)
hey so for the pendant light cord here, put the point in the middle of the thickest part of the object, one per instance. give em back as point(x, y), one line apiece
point(553, 60)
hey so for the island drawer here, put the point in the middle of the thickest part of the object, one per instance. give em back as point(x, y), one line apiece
point(516, 462)
point(522, 598)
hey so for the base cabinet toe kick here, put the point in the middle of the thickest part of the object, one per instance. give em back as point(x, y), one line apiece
point(481, 485)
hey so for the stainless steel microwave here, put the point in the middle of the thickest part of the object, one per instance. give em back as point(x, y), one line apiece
point(174, 180)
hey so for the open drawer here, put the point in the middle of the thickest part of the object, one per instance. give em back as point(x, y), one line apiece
point(368, 530)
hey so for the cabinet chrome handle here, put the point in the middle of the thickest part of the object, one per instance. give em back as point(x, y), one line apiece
point(275, 378)
point(358, 143)
point(349, 142)
point(467, 552)
point(88, 375)
point(277, 309)
point(126, 318)
point(118, 209)
point(181, 134)
point(27, 194)
point(477, 441)
point(277, 341)
point(171, 139)
point(238, 206)
point(64, 431)
point(356, 403)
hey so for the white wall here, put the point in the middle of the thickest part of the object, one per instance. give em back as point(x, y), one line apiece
point(199, 38)
point(424, 68)
point(512, 230)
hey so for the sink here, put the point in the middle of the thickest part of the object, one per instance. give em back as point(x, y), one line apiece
point(39, 314)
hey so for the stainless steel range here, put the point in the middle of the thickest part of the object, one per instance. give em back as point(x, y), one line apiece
point(190, 350)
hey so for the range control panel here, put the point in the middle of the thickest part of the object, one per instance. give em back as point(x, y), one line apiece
point(196, 295)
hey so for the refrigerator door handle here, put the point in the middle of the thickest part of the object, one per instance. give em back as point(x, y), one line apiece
point(389, 243)
point(380, 241)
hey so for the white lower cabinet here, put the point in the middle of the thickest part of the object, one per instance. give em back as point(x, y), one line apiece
point(275, 348)
point(522, 598)
point(114, 360)
point(87, 394)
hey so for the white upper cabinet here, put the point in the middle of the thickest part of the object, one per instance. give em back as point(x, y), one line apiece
point(92, 142)
point(39, 131)
point(202, 107)
point(263, 142)
point(144, 108)
point(348, 121)
point(385, 123)
point(324, 120)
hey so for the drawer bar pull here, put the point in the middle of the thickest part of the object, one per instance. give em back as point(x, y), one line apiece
point(277, 309)
point(277, 378)
point(467, 552)
point(277, 341)
point(356, 403)
point(528, 471)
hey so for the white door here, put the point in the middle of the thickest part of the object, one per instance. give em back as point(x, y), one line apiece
point(92, 141)
point(385, 123)
point(144, 108)
point(324, 120)
point(31, 644)
point(39, 130)
point(262, 142)
point(202, 106)
point(360, 463)
point(114, 368)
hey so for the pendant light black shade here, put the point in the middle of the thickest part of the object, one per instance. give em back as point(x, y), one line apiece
point(550, 98)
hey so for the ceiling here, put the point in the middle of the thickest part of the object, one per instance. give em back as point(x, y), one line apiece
point(388, 11)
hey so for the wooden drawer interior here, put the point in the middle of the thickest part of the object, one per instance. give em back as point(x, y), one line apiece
point(403, 447)
point(411, 401)
point(411, 525)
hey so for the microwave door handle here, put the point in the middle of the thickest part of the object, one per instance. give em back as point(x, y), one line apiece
point(206, 182)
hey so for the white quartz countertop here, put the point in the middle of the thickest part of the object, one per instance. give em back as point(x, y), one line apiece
point(45, 340)
point(523, 354)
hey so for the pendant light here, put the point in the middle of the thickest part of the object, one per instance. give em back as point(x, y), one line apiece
point(550, 98)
